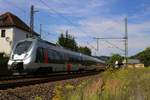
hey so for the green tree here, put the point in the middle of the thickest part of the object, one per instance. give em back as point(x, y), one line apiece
point(143, 56)
point(113, 59)
point(61, 40)
point(67, 41)
point(85, 50)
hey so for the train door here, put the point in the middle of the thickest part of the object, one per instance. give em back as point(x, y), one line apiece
point(40, 55)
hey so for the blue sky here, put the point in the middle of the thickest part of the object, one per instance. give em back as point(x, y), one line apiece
point(86, 19)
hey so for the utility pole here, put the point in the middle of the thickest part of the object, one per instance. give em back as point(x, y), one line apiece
point(40, 30)
point(126, 42)
point(97, 40)
point(97, 45)
point(31, 21)
point(32, 12)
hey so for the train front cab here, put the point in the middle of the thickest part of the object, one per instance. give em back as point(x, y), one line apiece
point(20, 56)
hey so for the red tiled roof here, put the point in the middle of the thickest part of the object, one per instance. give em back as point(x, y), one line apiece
point(10, 20)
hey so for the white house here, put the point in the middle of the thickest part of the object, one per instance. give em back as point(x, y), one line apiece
point(12, 29)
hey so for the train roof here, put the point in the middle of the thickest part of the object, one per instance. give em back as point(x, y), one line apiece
point(74, 52)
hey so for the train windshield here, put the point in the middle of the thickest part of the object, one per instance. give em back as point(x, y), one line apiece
point(22, 47)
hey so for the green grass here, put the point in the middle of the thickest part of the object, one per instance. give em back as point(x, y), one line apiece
point(123, 84)
point(126, 84)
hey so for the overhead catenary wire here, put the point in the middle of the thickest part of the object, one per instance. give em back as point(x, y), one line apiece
point(65, 18)
point(19, 8)
point(62, 16)
point(56, 12)
point(114, 45)
point(92, 46)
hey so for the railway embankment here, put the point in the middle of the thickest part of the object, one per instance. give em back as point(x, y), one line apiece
point(126, 84)
point(47, 91)
point(123, 84)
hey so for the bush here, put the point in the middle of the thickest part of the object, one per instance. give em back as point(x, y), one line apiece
point(3, 60)
point(1, 55)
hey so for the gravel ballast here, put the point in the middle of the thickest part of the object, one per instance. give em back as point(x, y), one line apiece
point(44, 91)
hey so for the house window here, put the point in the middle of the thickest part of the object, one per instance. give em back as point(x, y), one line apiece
point(3, 33)
point(1, 22)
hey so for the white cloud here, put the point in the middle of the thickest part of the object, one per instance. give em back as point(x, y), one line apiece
point(102, 27)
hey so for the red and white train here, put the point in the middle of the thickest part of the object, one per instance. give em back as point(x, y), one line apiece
point(31, 56)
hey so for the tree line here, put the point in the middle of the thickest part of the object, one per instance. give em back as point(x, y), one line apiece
point(69, 42)
point(143, 56)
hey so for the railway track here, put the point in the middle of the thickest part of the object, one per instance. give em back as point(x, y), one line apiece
point(11, 77)
point(19, 81)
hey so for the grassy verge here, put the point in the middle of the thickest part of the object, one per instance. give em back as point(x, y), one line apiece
point(123, 84)
point(84, 89)
point(127, 84)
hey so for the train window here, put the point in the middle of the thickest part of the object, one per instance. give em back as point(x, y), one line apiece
point(40, 55)
point(22, 47)
point(70, 59)
point(66, 57)
point(59, 55)
point(50, 55)
point(54, 56)
point(73, 58)
point(79, 58)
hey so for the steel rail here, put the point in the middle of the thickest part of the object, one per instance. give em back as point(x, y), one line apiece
point(37, 80)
